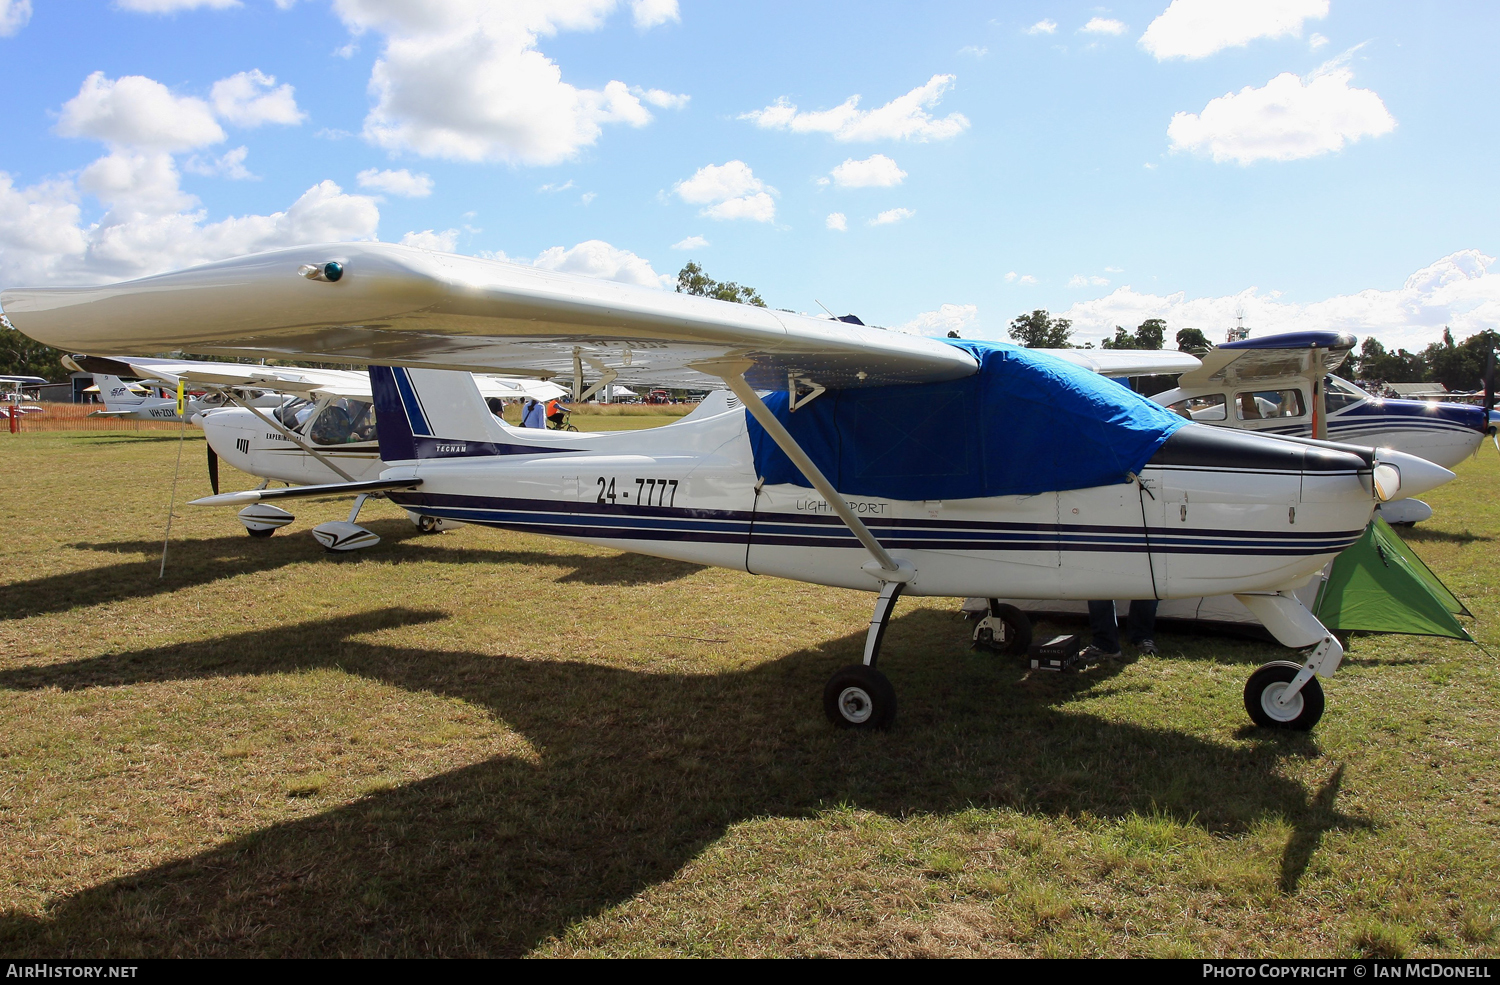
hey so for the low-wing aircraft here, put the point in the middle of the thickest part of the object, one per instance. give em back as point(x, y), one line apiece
point(879, 461)
point(1283, 385)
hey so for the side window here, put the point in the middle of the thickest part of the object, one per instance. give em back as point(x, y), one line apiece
point(1267, 405)
point(1339, 394)
point(1209, 407)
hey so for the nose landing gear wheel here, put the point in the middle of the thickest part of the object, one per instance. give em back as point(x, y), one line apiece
point(860, 697)
point(1268, 683)
point(428, 524)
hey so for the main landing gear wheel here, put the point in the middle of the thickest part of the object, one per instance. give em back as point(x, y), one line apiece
point(261, 533)
point(1005, 630)
point(428, 524)
point(1268, 683)
point(860, 697)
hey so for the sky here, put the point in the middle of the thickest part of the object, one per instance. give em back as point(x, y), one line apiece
point(928, 167)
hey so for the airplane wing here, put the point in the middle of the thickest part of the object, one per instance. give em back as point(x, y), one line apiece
point(24, 380)
point(1128, 362)
point(1313, 354)
point(376, 303)
point(515, 389)
point(290, 379)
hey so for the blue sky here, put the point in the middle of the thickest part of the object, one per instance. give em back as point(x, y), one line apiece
point(1308, 163)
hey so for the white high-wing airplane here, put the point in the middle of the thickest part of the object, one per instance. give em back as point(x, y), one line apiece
point(289, 424)
point(1283, 385)
point(882, 461)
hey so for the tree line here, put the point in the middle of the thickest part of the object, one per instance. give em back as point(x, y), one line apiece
point(1456, 365)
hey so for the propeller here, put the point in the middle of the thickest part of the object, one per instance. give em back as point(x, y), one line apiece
point(213, 469)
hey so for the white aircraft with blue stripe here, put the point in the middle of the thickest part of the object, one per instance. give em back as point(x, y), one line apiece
point(1283, 385)
point(841, 455)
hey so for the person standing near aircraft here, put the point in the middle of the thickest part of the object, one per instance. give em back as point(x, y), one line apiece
point(1140, 624)
point(532, 414)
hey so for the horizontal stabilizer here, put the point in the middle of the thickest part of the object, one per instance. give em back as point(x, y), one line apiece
point(299, 492)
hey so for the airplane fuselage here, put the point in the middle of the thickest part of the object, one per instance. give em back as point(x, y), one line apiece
point(1212, 513)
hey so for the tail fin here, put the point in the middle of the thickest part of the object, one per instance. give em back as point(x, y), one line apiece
point(432, 413)
point(116, 394)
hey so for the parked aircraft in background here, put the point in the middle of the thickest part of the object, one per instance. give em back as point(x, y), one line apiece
point(1283, 385)
point(883, 461)
point(13, 396)
point(322, 431)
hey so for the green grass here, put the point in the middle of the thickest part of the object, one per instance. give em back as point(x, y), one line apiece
point(484, 743)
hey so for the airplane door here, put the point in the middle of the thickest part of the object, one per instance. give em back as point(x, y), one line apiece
point(1102, 545)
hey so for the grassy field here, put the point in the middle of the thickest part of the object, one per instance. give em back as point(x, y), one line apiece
point(483, 743)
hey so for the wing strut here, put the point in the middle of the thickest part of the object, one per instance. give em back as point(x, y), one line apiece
point(732, 371)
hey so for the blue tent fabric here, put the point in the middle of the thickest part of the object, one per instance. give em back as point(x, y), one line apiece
point(1026, 423)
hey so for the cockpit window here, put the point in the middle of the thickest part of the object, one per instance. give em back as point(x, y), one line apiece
point(1209, 407)
point(1266, 405)
point(293, 414)
point(1341, 393)
point(344, 421)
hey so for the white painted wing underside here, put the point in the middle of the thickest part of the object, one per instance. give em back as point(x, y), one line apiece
point(404, 306)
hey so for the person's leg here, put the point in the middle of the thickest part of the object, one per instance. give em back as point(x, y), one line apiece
point(1106, 627)
point(1141, 623)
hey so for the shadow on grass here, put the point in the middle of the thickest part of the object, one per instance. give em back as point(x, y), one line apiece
point(1422, 535)
point(639, 773)
point(202, 561)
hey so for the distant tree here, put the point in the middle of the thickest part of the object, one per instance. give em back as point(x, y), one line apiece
point(1147, 336)
point(692, 280)
point(1460, 367)
point(1039, 330)
point(1375, 363)
point(1193, 340)
point(20, 356)
point(953, 334)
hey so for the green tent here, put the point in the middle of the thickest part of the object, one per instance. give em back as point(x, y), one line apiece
point(1380, 585)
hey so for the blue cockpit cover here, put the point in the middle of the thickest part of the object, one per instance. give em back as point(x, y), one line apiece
point(1026, 423)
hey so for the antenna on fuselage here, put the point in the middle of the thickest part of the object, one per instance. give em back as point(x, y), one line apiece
point(825, 308)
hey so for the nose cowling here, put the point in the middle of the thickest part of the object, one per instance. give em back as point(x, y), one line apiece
point(1418, 475)
point(1203, 446)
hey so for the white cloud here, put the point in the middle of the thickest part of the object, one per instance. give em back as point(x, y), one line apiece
point(947, 318)
point(1021, 279)
point(891, 215)
point(1457, 291)
point(401, 182)
point(231, 165)
point(974, 50)
point(1285, 120)
point(173, 6)
point(878, 171)
point(1080, 280)
point(596, 258)
point(134, 111)
point(464, 79)
point(13, 16)
point(650, 13)
point(1047, 26)
point(1199, 28)
point(730, 191)
point(443, 242)
point(249, 99)
point(691, 243)
point(588, 197)
point(903, 118)
point(837, 221)
point(554, 187)
point(1316, 41)
point(1103, 25)
point(150, 225)
point(660, 98)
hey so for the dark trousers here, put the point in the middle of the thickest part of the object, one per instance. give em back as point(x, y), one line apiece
point(1140, 624)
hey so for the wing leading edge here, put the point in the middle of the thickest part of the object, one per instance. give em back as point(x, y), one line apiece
point(404, 306)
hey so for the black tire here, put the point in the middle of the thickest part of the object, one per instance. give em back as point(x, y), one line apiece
point(860, 697)
point(1262, 688)
point(1018, 633)
point(428, 525)
point(569, 427)
point(260, 533)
